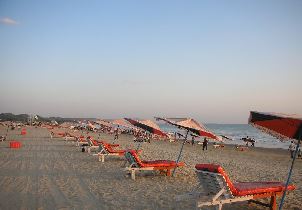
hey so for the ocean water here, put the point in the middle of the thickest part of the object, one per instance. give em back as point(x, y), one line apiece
point(236, 132)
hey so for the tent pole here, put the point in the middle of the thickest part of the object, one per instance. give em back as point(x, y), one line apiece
point(179, 155)
point(290, 172)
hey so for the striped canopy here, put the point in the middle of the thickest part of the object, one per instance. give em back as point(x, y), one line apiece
point(190, 125)
point(147, 125)
point(279, 125)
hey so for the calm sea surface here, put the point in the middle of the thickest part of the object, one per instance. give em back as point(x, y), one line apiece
point(236, 132)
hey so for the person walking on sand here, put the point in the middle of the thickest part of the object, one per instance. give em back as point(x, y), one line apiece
point(205, 144)
point(115, 134)
point(292, 148)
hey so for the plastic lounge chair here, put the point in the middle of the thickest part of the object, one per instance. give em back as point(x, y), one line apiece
point(219, 189)
point(57, 134)
point(91, 144)
point(94, 144)
point(81, 141)
point(106, 149)
point(70, 137)
point(164, 166)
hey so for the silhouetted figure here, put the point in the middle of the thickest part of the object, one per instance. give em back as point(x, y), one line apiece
point(116, 132)
point(205, 144)
point(292, 148)
point(193, 140)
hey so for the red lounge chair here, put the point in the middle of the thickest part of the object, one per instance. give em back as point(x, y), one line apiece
point(71, 136)
point(57, 134)
point(219, 189)
point(103, 142)
point(106, 149)
point(81, 141)
point(94, 144)
point(164, 166)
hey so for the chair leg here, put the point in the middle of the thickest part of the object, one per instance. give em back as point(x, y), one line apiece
point(101, 158)
point(133, 174)
point(168, 172)
point(273, 204)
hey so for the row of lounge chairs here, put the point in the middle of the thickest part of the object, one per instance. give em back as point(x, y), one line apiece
point(215, 187)
point(104, 149)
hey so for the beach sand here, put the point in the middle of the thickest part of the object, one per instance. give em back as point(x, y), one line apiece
point(50, 173)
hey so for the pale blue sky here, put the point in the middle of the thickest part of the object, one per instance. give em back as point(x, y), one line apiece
point(211, 60)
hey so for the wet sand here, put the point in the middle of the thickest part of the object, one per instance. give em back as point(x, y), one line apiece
point(50, 173)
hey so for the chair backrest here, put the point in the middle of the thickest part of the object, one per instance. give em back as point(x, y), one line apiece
point(89, 142)
point(108, 148)
point(94, 143)
point(102, 148)
point(133, 159)
point(213, 178)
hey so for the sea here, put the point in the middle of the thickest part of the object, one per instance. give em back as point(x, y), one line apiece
point(236, 132)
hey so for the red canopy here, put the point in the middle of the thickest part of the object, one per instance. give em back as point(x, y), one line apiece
point(279, 125)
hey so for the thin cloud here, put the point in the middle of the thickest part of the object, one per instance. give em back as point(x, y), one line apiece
point(8, 21)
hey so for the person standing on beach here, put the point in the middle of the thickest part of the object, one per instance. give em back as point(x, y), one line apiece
point(292, 148)
point(115, 134)
point(193, 140)
point(205, 144)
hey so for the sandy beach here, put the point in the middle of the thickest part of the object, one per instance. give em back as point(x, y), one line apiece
point(50, 173)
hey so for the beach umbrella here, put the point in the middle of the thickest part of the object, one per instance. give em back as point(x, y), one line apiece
point(147, 125)
point(123, 123)
point(283, 127)
point(190, 125)
point(104, 123)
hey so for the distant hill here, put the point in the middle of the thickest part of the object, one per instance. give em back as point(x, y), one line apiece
point(12, 117)
point(25, 117)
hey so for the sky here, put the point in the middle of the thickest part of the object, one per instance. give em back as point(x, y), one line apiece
point(210, 60)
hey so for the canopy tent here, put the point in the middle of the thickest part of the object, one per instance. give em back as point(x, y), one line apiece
point(283, 127)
